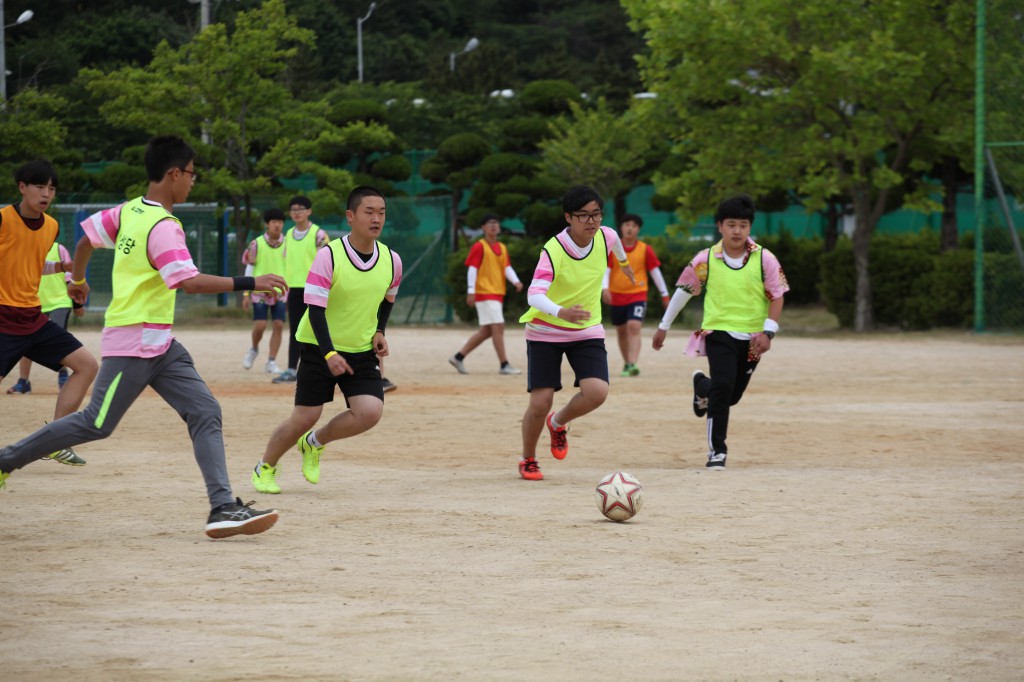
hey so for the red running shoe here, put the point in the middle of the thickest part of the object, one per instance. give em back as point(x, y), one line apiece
point(530, 470)
point(559, 439)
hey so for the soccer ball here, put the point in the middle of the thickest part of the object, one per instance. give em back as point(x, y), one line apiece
point(619, 496)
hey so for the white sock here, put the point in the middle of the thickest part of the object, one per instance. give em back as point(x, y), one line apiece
point(554, 424)
point(311, 439)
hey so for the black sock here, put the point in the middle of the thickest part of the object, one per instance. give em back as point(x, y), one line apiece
point(505, 364)
point(460, 357)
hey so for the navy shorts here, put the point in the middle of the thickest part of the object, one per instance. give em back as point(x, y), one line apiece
point(621, 314)
point(588, 359)
point(315, 384)
point(46, 346)
point(260, 310)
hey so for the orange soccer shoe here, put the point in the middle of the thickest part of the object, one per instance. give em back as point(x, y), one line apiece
point(530, 470)
point(559, 439)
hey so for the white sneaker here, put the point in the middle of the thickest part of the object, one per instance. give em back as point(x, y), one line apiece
point(250, 357)
point(272, 367)
point(509, 369)
point(716, 461)
point(457, 364)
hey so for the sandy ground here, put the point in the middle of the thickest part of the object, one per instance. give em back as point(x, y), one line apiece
point(868, 527)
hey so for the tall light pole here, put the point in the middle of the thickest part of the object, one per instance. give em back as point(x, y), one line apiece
point(470, 46)
point(25, 16)
point(359, 38)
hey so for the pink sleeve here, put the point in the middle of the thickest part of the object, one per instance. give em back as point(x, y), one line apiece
point(611, 237)
point(690, 279)
point(101, 228)
point(64, 256)
point(169, 253)
point(775, 283)
point(393, 289)
point(318, 281)
point(543, 275)
point(249, 257)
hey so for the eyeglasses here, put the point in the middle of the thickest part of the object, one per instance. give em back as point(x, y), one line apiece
point(589, 217)
point(195, 176)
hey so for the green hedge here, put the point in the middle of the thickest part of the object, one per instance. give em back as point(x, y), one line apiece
point(916, 287)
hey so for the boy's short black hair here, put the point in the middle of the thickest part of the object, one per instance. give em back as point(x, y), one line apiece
point(488, 218)
point(632, 218)
point(356, 196)
point(739, 207)
point(579, 196)
point(302, 201)
point(165, 152)
point(37, 172)
point(272, 214)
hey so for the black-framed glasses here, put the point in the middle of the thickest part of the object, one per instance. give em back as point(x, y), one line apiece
point(589, 217)
point(195, 176)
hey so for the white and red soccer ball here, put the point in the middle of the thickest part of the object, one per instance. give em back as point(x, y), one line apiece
point(619, 496)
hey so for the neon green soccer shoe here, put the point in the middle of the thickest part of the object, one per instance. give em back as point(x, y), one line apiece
point(264, 479)
point(3, 479)
point(310, 458)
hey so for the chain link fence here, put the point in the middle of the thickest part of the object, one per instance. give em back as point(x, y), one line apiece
point(418, 228)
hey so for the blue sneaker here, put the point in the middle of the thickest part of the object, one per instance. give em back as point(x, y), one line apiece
point(22, 386)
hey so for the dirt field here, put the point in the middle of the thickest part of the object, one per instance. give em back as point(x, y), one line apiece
point(868, 527)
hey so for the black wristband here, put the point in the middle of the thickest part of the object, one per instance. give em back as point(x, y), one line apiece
point(242, 283)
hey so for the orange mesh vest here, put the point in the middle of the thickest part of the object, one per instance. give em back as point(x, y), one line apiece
point(22, 254)
point(618, 283)
point(490, 278)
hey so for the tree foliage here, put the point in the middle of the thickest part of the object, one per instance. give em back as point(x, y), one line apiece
point(825, 98)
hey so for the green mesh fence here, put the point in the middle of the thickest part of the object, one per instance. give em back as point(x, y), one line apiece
point(418, 228)
point(999, 280)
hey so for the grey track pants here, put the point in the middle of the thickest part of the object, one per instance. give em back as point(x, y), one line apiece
point(120, 381)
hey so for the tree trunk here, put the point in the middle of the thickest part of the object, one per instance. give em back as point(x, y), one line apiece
point(833, 212)
point(863, 319)
point(949, 237)
point(456, 200)
point(620, 210)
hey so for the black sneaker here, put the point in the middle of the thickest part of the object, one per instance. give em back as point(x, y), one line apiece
point(235, 518)
point(700, 404)
point(716, 460)
point(388, 386)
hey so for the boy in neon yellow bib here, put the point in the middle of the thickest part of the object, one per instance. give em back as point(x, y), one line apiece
point(151, 262)
point(743, 286)
point(349, 293)
point(564, 319)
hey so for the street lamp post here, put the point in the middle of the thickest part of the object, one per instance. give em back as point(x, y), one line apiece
point(22, 18)
point(359, 38)
point(470, 46)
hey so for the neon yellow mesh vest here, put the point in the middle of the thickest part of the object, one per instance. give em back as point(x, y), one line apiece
point(576, 282)
point(53, 289)
point(140, 294)
point(735, 300)
point(270, 259)
point(353, 300)
point(298, 256)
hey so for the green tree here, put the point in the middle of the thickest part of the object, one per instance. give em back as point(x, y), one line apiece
point(829, 99)
point(226, 93)
point(611, 153)
point(30, 128)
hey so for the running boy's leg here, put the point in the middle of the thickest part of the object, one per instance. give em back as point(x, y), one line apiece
point(118, 385)
point(729, 365)
point(83, 368)
point(296, 309)
point(180, 385)
point(498, 339)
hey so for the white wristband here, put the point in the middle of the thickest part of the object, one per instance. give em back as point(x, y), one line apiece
point(771, 325)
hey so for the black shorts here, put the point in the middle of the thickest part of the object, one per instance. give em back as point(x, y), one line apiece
point(47, 346)
point(621, 314)
point(315, 384)
point(588, 359)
